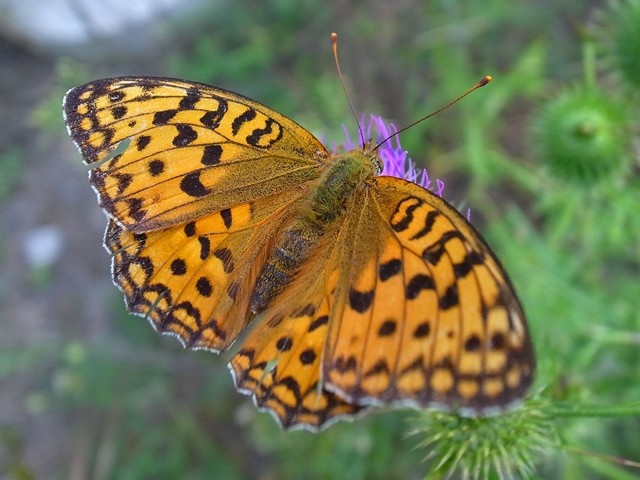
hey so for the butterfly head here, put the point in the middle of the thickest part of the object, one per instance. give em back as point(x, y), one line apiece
point(370, 151)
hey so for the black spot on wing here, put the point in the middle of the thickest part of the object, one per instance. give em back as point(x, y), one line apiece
point(211, 155)
point(115, 96)
point(418, 283)
point(190, 100)
point(118, 112)
point(256, 136)
point(156, 167)
point(213, 118)
point(186, 135)
point(142, 142)
point(343, 365)
point(178, 267)
point(360, 301)
point(387, 328)
point(318, 322)
point(308, 356)
point(192, 186)
point(284, 344)
point(472, 344)
point(226, 217)
point(450, 297)
point(463, 268)
point(434, 253)
point(399, 225)
point(240, 120)
point(379, 367)
point(428, 225)
point(124, 180)
point(203, 285)
point(190, 229)
point(389, 269)
point(497, 341)
point(205, 247)
point(422, 330)
point(163, 117)
point(135, 209)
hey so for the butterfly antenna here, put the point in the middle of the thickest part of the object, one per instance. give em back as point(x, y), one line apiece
point(483, 81)
point(334, 47)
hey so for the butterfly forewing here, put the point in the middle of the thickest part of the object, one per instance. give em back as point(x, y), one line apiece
point(427, 315)
point(193, 149)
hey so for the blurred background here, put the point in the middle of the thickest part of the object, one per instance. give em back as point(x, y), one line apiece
point(545, 156)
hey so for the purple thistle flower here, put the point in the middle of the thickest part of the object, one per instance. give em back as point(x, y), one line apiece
point(396, 161)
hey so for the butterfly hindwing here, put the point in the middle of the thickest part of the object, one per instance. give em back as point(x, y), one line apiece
point(192, 280)
point(192, 149)
point(279, 365)
point(280, 361)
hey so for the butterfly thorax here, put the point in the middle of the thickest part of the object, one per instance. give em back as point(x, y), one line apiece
point(337, 186)
point(328, 201)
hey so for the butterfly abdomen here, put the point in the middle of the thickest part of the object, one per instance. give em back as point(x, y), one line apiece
point(324, 209)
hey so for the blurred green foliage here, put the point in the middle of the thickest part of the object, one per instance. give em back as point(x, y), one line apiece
point(572, 249)
point(10, 171)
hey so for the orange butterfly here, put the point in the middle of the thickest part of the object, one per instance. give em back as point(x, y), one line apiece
point(349, 289)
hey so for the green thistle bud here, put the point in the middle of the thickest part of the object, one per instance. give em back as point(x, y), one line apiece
point(582, 135)
point(506, 445)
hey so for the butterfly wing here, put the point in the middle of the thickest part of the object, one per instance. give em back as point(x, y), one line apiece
point(425, 314)
point(280, 361)
point(402, 303)
point(197, 181)
point(193, 149)
point(194, 280)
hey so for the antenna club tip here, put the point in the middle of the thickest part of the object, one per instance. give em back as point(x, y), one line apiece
point(334, 37)
point(486, 79)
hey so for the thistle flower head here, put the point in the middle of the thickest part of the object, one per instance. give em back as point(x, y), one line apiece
point(581, 135)
point(395, 159)
point(503, 446)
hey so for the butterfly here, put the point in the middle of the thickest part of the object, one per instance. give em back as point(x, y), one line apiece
point(344, 288)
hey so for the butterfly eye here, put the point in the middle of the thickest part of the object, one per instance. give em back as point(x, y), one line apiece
point(377, 163)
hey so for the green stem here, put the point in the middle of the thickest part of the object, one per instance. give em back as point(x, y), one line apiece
point(589, 63)
point(625, 410)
